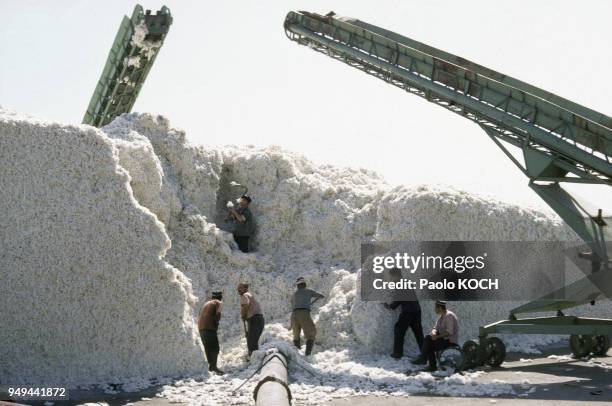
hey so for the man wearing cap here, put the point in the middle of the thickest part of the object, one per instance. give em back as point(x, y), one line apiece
point(208, 322)
point(244, 223)
point(301, 302)
point(444, 333)
point(250, 311)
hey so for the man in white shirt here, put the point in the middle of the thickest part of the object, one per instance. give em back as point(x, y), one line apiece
point(443, 335)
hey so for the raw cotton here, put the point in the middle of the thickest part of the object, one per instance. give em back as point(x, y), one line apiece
point(85, 295)
point(147, 47)
point(111, 230)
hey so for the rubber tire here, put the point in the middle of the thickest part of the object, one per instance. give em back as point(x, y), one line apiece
point(601, 345)
point(472, 354)
point(495, 350)
point(581, 345)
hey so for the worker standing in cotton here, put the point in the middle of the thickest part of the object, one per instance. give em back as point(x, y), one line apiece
point(208, 323)
point(302, 301)
point(244, 223)
point(443, 335)
point(409, 317)
point(250, 311)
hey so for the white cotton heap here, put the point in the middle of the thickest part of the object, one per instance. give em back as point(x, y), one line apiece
point(147, 47)
point(113, 238)
point(86, 295)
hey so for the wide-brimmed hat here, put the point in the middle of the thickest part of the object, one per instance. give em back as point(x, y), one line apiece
point(300, 281)
point(441, 303)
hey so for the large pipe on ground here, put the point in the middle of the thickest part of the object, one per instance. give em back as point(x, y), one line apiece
point(273, 389)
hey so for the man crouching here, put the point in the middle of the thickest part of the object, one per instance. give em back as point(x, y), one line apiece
point(443, 335)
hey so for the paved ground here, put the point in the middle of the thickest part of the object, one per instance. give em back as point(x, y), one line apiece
point(558, 383)
point(429, 400)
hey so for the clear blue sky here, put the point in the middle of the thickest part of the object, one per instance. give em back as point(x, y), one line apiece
point(227, 74)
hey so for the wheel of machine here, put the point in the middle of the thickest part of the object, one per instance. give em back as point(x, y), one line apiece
point(601, 345)
point(495, 351)
point(472, 354)
point(581, 345)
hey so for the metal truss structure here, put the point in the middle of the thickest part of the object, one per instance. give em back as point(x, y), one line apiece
point(561, 142)
point(127, 66)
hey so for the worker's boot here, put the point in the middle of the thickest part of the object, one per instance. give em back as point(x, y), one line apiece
point(212, 363)
point(298, 344)
point(309, 345)
point(217, 371)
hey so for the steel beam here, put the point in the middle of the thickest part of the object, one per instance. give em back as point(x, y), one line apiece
point(549, 325)
point(533, 120)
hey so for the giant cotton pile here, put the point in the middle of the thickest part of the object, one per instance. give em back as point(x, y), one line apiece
point(85, 293)
point(110, 239)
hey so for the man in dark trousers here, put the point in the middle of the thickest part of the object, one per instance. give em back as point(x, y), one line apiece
point(251, 313)
point(410, 316)
point(443, 335)
point(301, 302)
point(244, 223)
point(208, 322)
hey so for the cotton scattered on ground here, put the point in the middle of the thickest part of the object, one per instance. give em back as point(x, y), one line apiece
point(119, 233)
point(327, 375)
point(561, 357)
